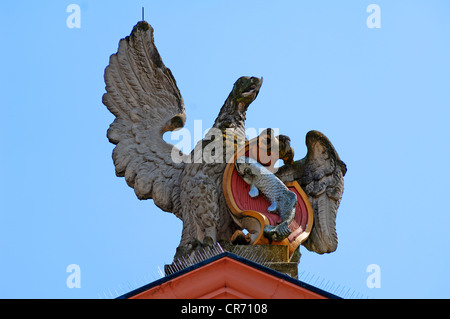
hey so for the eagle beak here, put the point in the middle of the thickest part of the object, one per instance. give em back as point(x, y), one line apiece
point(253, 89)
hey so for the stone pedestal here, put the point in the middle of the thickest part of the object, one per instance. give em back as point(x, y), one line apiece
point(275, 257)
point(271, 256)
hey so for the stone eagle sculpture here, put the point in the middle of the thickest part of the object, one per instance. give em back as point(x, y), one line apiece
point(143, 95)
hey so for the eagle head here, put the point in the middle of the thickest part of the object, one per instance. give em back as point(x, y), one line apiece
point(232, 113)
point(245, 90)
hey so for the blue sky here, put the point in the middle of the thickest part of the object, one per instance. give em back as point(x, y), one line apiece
point(381, 95)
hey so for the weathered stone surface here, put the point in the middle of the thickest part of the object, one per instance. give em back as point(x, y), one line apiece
point(275, 253)
point(275, 257)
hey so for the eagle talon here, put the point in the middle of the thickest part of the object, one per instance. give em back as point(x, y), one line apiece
point(208, 241)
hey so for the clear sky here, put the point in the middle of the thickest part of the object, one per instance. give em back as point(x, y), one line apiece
point(381, 95)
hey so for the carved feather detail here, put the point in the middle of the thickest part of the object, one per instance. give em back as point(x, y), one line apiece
point(142, 93)
point(321, 175)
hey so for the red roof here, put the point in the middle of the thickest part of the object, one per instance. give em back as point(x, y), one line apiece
point(231, 277)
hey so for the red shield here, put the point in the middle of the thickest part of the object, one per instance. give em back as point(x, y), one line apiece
point(251, 213)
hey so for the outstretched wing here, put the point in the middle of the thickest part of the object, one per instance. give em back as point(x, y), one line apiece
point(142, 93)
point(321, 175)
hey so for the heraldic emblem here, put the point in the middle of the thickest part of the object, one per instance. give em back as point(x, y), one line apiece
point(252, 210)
